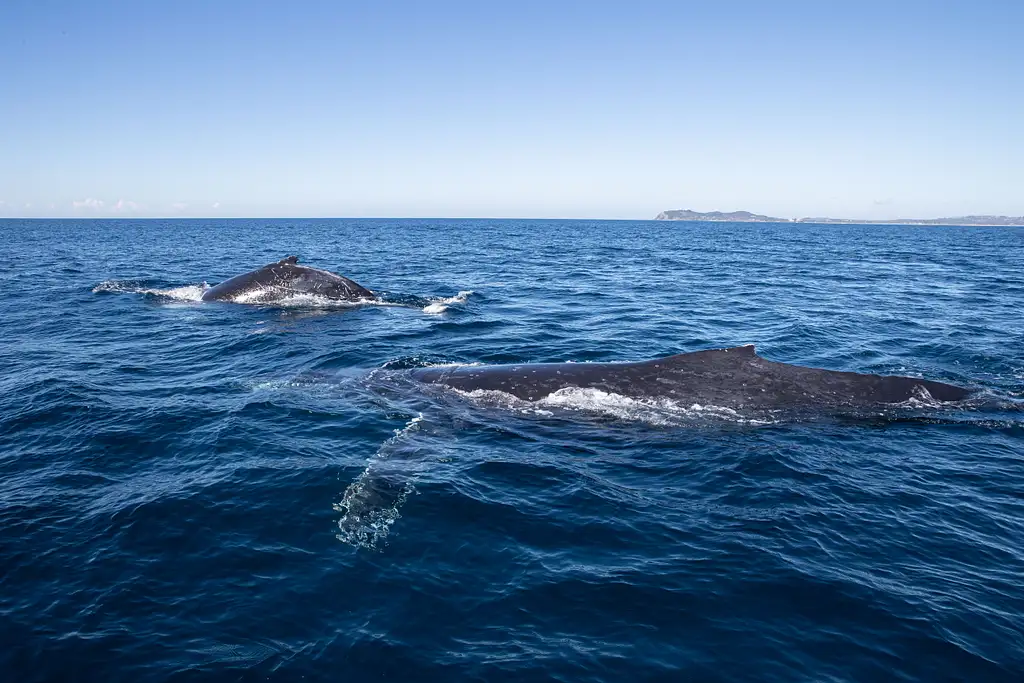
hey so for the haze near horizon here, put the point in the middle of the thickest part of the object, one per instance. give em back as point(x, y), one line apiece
point(588, 110)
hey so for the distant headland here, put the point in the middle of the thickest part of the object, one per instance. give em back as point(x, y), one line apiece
point(747, 217)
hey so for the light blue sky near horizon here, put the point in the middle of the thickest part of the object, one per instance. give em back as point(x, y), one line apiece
point(526, 109)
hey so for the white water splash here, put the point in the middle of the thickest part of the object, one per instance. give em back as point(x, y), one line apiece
point(658, 412)
point(921, 398)
point(186, 293)
point(287, 299)
point(271, 296)
point(441, 305)
point(183, 293)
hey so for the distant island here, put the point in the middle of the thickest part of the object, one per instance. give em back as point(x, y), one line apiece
point(731, 217)
point(747, 217)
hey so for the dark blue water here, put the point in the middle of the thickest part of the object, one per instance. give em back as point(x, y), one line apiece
point(173, 474)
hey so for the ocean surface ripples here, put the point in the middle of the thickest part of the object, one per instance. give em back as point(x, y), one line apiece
point(194, 491)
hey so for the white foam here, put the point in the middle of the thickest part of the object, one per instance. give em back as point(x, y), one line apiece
point(183, 293)
point(269, 297)
point(441, 305)
point(303, 300)
point(658, 412)
point(273, 296)
point(922, 398)
point(115, 286)
point(186, 293)
point(451, 365)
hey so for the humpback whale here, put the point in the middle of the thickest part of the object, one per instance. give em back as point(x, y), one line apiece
point(283, 279)
point(735, 378)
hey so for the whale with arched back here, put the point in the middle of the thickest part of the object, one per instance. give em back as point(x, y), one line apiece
point(285, 279)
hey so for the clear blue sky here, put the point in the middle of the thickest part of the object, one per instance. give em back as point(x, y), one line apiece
point(528, 109)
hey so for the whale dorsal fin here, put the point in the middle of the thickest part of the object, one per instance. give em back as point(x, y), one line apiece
point(288, 261)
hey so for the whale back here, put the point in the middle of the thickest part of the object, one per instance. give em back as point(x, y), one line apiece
point(283, 279)
point(733, 377)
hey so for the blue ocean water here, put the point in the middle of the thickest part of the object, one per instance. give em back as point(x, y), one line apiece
point(174, 475)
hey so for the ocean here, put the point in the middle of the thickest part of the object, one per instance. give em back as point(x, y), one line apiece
point(175, 476)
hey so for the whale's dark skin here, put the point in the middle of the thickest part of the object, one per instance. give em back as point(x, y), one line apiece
point(283, 279)
point(734, 378)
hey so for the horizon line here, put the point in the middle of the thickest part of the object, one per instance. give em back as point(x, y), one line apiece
point(780, 221)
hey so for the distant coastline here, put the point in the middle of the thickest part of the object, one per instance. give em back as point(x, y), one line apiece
point(747, 217)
